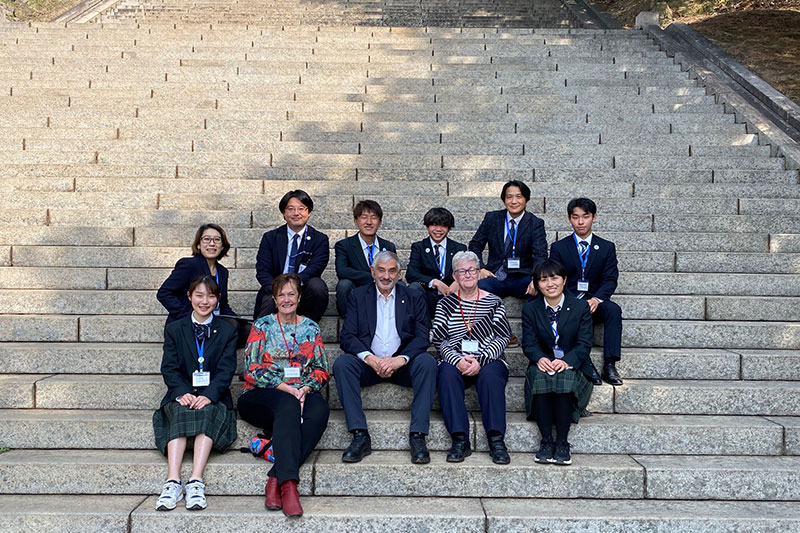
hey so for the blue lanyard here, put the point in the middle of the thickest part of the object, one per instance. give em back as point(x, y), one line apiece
point(583, 257)
point(200, 348)
point(555, 332)
point(514, 240)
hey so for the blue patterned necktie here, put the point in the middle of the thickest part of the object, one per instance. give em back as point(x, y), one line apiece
point(552, 315)
point(512, 229)
point(293, 254)
point(202, 331)
point(584, 247)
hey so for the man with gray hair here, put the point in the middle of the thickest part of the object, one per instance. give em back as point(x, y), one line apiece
point(384, 339)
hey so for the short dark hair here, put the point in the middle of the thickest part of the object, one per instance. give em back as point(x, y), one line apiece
point(548, 268)
point(208, 281)
point(283, 279)
point(367, 205)
point(199, 235)
point(300, 195)
point(524, 189)
point(581, 203)
point(439, 216)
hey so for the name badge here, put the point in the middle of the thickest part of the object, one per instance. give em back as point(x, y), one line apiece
point(291, 372)
point(583, 286)
point(468, 346)
point(201, 379)
point(301, 268)
point(558, 353)
point(513, 262)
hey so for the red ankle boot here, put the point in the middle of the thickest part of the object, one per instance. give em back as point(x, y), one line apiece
point(290, 499)
point(273, 500)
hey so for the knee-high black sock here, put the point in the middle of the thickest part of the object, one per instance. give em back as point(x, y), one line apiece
point(543, 409)
point(562, 413)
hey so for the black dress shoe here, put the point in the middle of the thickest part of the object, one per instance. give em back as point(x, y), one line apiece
point(360, 447)
point(610, 374)
point(498, 451)
point(460, 449)
point(594, 375)
point(419, 451)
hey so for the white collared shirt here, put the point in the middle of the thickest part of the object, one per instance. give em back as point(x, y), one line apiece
point(386, 340)
point(365, 248)
point(208, 320)
point(442, 251)
point(588, 239)
point(558, 306)
point(291, 235)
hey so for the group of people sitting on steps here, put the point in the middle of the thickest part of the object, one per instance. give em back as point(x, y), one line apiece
point(385, 336)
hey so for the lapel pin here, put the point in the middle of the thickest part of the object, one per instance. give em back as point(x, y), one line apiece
point(596, 247)
point(214, 331)
point(308, 237)
point(567, 308)
point(427, 250)
point(402, 301)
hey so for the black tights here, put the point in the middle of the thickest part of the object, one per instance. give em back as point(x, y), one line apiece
point(553, 408)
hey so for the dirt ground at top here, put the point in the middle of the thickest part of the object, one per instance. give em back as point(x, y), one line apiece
point(35, 10)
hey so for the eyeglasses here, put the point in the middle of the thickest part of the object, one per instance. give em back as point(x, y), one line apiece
point(209, 240)
point(294, 209)
point(466, 272)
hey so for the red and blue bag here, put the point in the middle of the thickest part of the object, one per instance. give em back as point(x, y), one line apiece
point(261, 446)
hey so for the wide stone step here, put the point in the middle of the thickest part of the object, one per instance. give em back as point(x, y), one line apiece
point(599, 433)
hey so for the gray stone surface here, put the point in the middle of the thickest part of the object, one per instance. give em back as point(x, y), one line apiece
point(36, 278)
point(66, 514)
point(80, 358)
point(770, 364)
point(619, 516)
point(675, 364)
point(784, 243)
point(388, 430)
point(791, 428)
point(755, 308)
point(747, 263)
point(17, 390)
point(708, 284)
point(321, 513)
point(708, 334)
point(605, 476)
point(116, 256)
point(721, 478)
point(42, 328)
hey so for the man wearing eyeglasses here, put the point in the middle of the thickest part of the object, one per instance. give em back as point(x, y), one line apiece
point(295, 248)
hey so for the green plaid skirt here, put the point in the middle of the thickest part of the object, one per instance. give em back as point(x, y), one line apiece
point(215, 421)
point(538, 382)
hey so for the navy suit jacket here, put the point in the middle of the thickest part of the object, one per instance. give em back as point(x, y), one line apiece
point(361, 319)
point(180, 360)
point(531, 241)
point(172, 293)
point(602, 272)
point(271, 257)
point(351, 263)
point(422, 265)
point(575, 334)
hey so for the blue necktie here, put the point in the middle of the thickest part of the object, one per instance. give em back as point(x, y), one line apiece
point(512, 225)
point(293, 254)
point(370, 253)
point(552, 315)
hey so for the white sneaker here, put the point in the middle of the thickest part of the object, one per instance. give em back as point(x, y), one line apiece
point(195, 495)
point(171, 494)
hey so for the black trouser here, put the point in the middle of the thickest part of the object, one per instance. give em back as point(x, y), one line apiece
point(278, 413)
point(432, 296)
point(610, 315)
point(552, 408)
point(313, 301)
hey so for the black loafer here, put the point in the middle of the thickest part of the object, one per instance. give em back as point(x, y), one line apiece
point(593, 376)
point(419, 450)
point(498, 450)
point(610, 374)
point(460, 449)
point(360, 447)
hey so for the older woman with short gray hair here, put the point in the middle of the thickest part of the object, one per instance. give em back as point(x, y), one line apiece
point(471, 332)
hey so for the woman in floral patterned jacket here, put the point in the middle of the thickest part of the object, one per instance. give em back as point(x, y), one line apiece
point(285, 369)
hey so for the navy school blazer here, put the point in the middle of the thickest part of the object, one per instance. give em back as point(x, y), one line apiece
point(179, 360)
point(602, 271)
point(350, 261)
point(314, 253)
point(422, 265)
point(172, 293)
point(574, 329)
point(531, 241)
point(361, 319)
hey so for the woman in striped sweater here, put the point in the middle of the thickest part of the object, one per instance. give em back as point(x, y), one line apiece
point(471, 333)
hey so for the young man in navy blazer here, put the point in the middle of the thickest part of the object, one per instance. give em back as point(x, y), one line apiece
point(385, 338)
point(430, 269)
point(517, 243)
point(294, 248)
point(592, 274)
point(355, 254)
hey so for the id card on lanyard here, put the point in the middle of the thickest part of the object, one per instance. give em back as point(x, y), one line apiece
point(513, 261)
point(199, 377)
point(583, 284)
point(558, 353)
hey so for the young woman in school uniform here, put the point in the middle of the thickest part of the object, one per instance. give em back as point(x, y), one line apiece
point(197, 366)
point(556, 339)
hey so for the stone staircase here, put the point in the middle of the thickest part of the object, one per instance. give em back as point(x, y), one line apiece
point(117, 139)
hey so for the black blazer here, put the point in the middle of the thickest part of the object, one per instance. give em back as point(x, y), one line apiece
point(271, 257)
point(574, 330)
point(361, 319)
point(601, 266)
point(351, 263)
point(531, 241)
point(172, 293)
point(180, 360)
point(422, 265)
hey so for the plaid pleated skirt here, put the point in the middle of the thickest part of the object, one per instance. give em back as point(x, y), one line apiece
point(175, 420)
point(538, 382)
